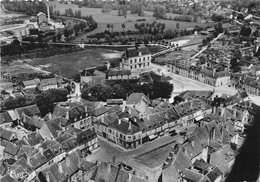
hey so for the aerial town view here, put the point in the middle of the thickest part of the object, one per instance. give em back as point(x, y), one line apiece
point(130, 91)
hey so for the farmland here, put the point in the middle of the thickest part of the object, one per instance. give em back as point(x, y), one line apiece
point(104, 18)
point(68, 65)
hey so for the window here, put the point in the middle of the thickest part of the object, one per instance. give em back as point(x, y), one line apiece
point(147, 64)
point(134, 137)
point(135, 66)
point(131, 67)
point(140, 59)
point(144, 59)
point(135, 60)
point(131, 61)
point(148, 58)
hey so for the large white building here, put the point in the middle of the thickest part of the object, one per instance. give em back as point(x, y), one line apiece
point(136, 58)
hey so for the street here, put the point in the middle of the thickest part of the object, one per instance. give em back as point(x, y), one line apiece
point(108, 150)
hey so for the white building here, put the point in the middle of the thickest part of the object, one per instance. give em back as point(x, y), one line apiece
point(136, 58)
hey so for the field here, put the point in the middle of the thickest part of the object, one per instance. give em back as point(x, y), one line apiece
point(104, 18)
point(69, 64)
point(154, 158)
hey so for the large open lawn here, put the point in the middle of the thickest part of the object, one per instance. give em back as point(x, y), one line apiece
point(104, 18)
point(69, 64)
point(155, 157)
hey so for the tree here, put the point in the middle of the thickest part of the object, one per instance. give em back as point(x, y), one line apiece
point(123, 26)
point(59, 36)
point(161, 89)
point(118, 91)
point(112, 27)
point(106, 8)
point(108, 27)
point(177, 25)
point(54, 38)
point(66, 33)
point(159, 12)
point(107, 38)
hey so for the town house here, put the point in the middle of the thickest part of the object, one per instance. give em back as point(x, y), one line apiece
point(135, 58)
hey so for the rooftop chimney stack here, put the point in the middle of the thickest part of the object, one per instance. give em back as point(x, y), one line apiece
point(60, 167)
point(47, 176)
point(48, 13)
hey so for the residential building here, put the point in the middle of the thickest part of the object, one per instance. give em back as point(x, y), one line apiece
point(73, 114)
point(139, 102)
point(31, 84)
point(204, 75)
point(49, 83)
point(252, 85)
point(135, 58)
point(119, 74)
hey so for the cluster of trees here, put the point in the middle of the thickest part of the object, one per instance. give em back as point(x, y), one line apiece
point(152, 28)
point(122, 10)
point(106, 8)
point(245, 31)
point(159, 12)
point(136, 8)
point(45, 100)
point(29, 7)
point(100, 92)
point(186, 18)
point(76, 14)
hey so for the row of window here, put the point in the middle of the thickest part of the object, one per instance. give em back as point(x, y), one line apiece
point(140, 59)
point(140, 66)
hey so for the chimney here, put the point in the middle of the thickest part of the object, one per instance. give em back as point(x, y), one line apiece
point(47, 176)
point(60, 167)
point(48, 13)
point(49, 116)
point(67, 115)
point(109, 167)
point(119, 121)
point(130, 176)
point(114, 160)
point(74, 135)
point(107, 64)
point(130, 126)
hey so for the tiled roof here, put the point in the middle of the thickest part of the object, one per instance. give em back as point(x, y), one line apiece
point(250, 81)
point(6, 134)
point(110, 118)
point(181, 161)
point(86, 166)
point(23, 162)
point(118, 72)
point(188, 94)
point(54, 127)
point(202, 165)
point(28, 110)
point(31, 82)
point(115, 101)
point(133, 52)
point(11, 149)
point(214, 174)
point(32, 121)
point(192, 175)
point(134, 98)
point(85, 136)
point(124, 126)
point(99, 111)
point(63, 137)
point(48, 81)
point(5, 118)
point(113, 109)
point(34, 138)
point(29, 150)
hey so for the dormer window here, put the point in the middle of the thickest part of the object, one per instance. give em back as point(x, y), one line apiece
point(75, 119)
point(80, 117)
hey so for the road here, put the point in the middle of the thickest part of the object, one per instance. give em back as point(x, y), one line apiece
point(108, 150)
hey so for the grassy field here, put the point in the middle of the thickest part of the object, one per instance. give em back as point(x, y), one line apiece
point(104, 18)
point(69, 64)
point(155, 157)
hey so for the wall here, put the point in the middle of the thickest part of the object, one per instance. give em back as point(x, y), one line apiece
point(222, 81)
point(133, 62)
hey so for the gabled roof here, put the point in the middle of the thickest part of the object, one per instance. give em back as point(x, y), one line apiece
point(124, 126)
point(192, 175)
point(31, 82)
point(192, 94)
point(134, 98)
point(5, 118)
point(6, 134)
point(115, 101)
point(133, 52)
point(54, 127)
point(28, 110)
point(118, 72)
point(41, 13)
point(48, 81)
point(182, 161)
point(214, 174)
point(34, 138)
point(32, 121)
point(113, 109)
point(11, 148)
point(98, 111)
